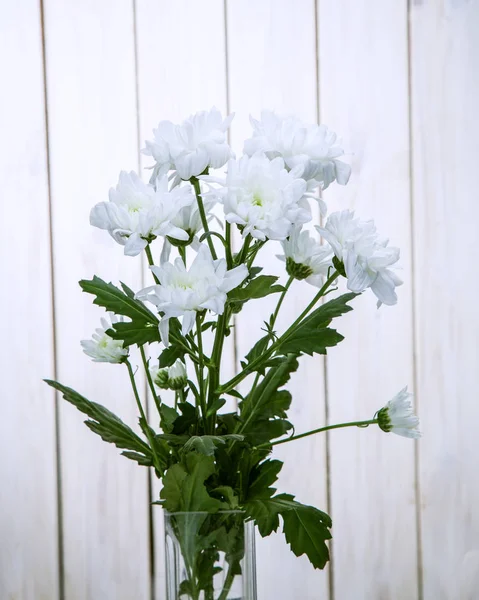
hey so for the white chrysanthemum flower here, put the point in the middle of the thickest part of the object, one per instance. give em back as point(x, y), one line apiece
point(170, 378)
point(305, 257)
point(138, 212)
point(313, 147)
point(398, 416)
point(182, 292)
point(102, 347)
point(365, 256)
point(198, 143)
point(264, 198)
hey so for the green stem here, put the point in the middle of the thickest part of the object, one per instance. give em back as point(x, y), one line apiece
point(182, 251)
point(201, 367)
point(280, 301)
point(156, 398)
point(232, 383)
point(228, 583)
point(143, 415)
point(320, 430)
point(215, 364)
point(149, 256)
point(229, 254)
point(240, 259)
point(204, 220)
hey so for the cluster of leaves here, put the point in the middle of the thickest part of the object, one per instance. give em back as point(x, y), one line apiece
point(229, 469)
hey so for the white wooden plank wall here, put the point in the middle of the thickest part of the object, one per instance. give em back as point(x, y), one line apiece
point(401, 85)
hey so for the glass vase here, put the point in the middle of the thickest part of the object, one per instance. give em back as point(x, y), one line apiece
point(210, 556)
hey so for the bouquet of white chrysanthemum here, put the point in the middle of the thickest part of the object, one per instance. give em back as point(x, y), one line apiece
point(215, 467)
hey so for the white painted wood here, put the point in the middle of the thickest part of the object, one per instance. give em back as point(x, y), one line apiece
point(28, 515)
point(92, 107)
point(364, 97)
point(272, 64)
point(181, 70)
point(445, 133)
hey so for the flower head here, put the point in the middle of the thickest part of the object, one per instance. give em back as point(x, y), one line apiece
point(313, 147)
point(190, 148)
point(305, 257)
point(264, 198)
point(366, 257)
point(138, 212)
point(102, 347)
point(398, 416)
point(172, 378)
point(182, 292)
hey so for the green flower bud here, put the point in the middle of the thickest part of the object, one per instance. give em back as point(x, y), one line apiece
point(384, 420)
point(297, 270)
point(160, 378)
point(339, 266)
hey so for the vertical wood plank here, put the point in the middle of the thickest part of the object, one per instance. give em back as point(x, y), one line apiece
point(272, 64)
point(181, 70)
point(93, 134)
point(445, 134)
point(364, 96)
point(28, 518)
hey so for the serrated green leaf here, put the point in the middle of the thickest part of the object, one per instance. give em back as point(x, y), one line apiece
point(103, 422)
point(135, 332)
point(258, 349)
point(141, 459)
point(168, 416)
point(187, 418)
point(228, 494)
point(262, 478)
point(171, 354)
point(324, 314)
point(311, 341)
point(184, 485)
point(263, 411)
point(207, 444)
point(259, 287)
point(306, 530)
point(113, 299)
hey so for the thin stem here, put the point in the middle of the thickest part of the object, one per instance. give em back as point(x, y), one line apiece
point(215, 363)
point(229, 254)
point(149, 256)
point(201, 367)
point(240, 259)
point(320, 430)
point(280, 301)
point(156, 398)
point(228, 582)
point(232, 383)
point(143, 416)
point(204, 220)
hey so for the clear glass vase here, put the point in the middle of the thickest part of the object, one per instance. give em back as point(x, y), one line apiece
point(210, 556)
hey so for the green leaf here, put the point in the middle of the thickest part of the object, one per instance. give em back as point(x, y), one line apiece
point(228, 495)
point(121, 303)
point(188, 417)
point(216, 405)
point(170, 354)
point(324, 314)
point(168, 416)
point(311, 341)
point(104, 423)
point(306, 530)
point(184, 485)
point(263, 411)
point(258, 349)
point(259, 287)
point(138, 332)
point(263, 476)
point(207, 444)
point(141, 459)
point(313, 335)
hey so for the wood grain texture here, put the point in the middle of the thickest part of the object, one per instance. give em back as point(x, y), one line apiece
point(181, 70)
point(445, 91)
point(93, 134)
point(28, 515)
point(364, 97)
point(272, 64)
